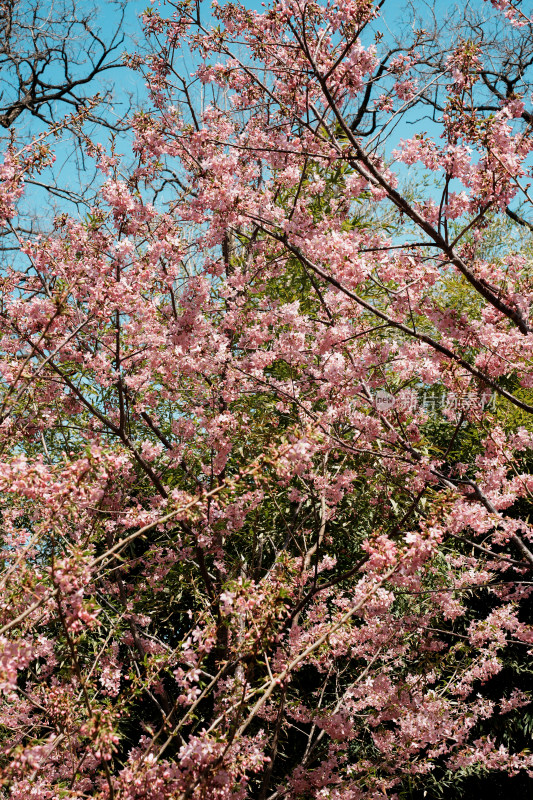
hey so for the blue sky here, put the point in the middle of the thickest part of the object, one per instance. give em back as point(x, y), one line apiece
point(124, 82)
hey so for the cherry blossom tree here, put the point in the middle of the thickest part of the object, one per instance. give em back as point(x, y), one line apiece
point(266, 427)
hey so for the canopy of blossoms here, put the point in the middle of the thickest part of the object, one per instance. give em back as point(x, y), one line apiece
point(266, 425)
